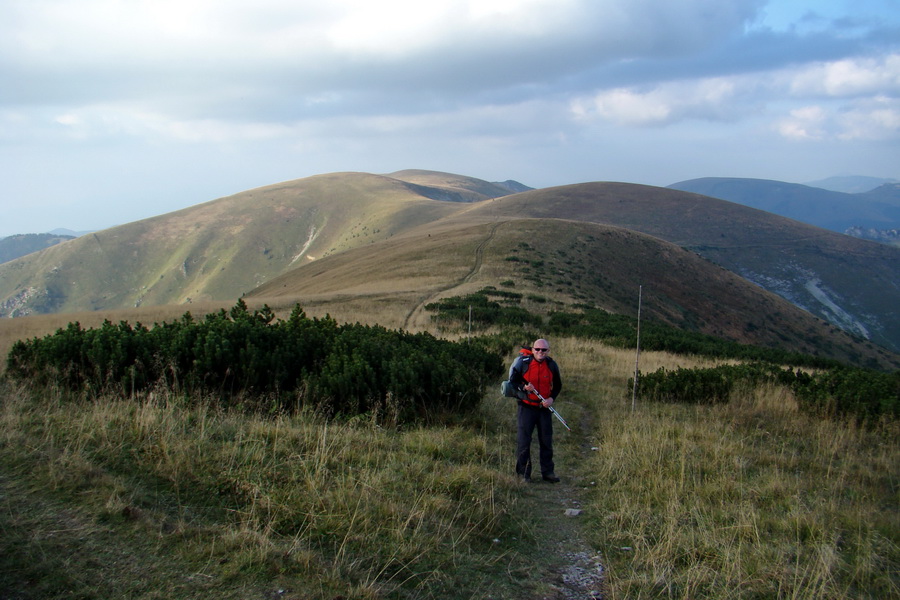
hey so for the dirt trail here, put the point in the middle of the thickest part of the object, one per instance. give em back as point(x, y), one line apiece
point(572, 569)
point(415, 314)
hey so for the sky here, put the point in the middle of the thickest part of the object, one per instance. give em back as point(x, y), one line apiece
point(113, 111)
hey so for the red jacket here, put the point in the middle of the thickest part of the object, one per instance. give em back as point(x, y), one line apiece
point(543, 375)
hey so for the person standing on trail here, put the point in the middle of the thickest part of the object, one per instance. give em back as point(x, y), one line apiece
point(537, 376)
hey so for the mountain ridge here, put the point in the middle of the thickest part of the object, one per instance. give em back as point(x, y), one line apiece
point(837, 211)
point(680, 287)
point(239, 244)
point(815, 268)
point(14, 246)
point(851, 184)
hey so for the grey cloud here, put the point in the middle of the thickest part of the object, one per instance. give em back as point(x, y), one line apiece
point(270, 90)
point(459, 61)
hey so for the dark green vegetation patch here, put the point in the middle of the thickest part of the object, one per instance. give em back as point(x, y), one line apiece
point(490, 307)
point(834, 388)
point(846, 391)
point(245, 357)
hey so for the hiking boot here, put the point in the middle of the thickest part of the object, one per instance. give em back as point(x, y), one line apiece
point(551, 477)
point(525, 478)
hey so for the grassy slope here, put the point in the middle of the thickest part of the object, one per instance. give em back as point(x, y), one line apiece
point(406, 253)
point(772, 251)
point(749, 499)
point(390, 282)
point(222, 248)
point(577, 262)
point(467, 188)
point(156, 498)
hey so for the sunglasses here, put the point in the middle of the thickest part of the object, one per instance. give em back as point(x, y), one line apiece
point(541, 349)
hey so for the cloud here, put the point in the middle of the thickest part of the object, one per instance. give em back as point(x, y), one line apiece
point(850, 77)
point(875, 119)
point(712, 99)
point(172, 90)
point(183, 52)
point(807, 123)
point(862, 98)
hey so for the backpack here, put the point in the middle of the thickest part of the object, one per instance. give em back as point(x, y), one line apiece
point(510, 391)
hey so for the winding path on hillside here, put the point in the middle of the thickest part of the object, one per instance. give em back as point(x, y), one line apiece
point(416, 312)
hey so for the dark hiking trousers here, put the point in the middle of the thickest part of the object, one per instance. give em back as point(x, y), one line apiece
point(530, 417)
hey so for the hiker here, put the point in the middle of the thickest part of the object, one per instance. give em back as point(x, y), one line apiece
point(535, 372)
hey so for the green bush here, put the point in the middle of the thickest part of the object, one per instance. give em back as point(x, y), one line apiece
point(239, 355)
point(592, 323)
point(860, 393)
point(483, 311)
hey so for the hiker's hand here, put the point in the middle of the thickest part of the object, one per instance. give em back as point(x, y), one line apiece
point(528, 387)
point(548, 402)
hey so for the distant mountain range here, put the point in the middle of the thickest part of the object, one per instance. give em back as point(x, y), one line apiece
point(378, 246)
point(876, 210)
point(70, 233)
point(851, 184)
point(14, 246)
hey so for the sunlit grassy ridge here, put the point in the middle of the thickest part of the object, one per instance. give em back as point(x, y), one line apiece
point(216, 250)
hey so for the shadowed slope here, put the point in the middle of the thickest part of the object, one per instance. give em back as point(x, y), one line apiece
point(555, 263)
point(852, 283)
point(449, 186)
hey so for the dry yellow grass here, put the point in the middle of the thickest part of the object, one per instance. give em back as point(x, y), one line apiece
point(748, 499)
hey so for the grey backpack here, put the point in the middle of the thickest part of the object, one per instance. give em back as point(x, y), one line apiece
point(510, 391)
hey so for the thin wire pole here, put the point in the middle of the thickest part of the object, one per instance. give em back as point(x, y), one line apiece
point(637, 357)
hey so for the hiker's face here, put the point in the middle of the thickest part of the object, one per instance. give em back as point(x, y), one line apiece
point(540, 349)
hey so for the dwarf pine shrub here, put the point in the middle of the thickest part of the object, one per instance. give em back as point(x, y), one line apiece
point(860, 393)
point(315, 363)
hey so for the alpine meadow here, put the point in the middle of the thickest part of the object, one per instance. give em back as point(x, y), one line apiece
point(294, 392)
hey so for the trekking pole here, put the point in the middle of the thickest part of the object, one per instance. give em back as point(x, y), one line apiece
point(553, 410)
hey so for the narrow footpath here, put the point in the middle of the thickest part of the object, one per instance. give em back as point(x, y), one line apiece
point(571, 569)
point(418, 311)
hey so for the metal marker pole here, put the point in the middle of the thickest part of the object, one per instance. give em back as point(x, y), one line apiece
point(637, 356)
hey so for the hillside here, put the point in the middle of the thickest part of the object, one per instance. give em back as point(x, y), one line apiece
point(888, 193)
point(837, 211)
point(359, 245)
point(14, 246)
point(852, 184)
point(220, 249)
point(849, 282)
point(556, 263)
point(454, 188)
